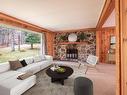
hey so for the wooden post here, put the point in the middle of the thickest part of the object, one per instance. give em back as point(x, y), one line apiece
point(121, 50)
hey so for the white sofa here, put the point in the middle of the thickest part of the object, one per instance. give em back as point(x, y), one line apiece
point(10, 85)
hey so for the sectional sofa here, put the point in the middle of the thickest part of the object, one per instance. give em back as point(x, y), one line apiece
point(10, 85)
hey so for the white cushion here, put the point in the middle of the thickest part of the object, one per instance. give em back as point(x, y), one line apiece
point(45, 64)
point(4, 67)
point(92, 59)
point(35, 67)
point(7, 75)
point(43, 57)
point(13, 86)
point(37, 59)
point(29, 60)
point(30, 68)
point(48, 57)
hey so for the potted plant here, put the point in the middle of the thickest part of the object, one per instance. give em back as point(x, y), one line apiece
point(63, 38)
point(82, 36)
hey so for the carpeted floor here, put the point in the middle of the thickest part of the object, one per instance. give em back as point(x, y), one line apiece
point(103, 81)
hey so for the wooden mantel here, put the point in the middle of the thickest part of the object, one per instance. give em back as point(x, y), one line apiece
point(67, 43)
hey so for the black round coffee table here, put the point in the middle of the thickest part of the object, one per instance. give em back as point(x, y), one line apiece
point(59, 77)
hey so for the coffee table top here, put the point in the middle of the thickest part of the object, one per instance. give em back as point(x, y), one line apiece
point(54, 74)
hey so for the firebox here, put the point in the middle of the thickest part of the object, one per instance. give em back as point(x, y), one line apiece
point(72, 53)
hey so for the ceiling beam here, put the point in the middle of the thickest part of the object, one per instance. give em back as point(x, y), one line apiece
point(9, 20)
point(107, 10)
point(76, 30)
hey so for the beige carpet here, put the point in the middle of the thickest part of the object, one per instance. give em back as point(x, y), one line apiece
point(103, 81)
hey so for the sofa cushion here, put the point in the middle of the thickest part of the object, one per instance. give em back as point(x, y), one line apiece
point(15, 64)
point(35, 67)
point(30, 68)
point(8, 74)
point(43, 57)
point(29, 60)
point(23, 62)
point(4, 67)
point(24, 76)
point(16, 87)
point(38, 59)
point(45, 64)
point(48, 57)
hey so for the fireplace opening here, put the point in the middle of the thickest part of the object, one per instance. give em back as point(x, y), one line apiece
point(72, 53)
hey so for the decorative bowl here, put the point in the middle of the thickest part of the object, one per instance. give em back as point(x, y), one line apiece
point(60, 70)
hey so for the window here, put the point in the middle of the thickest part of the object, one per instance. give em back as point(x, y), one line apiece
point(18, 43)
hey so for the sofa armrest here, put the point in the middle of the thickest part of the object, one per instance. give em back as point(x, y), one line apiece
point(4, 90)
point(48, 57)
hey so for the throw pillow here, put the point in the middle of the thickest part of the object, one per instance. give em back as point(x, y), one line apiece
point(15, 64)
point(23, 62)
point(29, 60)
point(43, 57)
point(37, 58)
point(24, 76)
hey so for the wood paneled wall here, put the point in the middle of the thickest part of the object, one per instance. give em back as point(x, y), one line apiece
point(50, 43)
point(103, 42)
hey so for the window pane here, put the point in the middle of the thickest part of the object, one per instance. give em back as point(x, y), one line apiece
point(18, 43)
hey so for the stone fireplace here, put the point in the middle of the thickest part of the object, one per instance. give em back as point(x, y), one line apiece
point(73, 51)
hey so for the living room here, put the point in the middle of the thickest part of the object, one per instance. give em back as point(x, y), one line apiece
point(59, 47)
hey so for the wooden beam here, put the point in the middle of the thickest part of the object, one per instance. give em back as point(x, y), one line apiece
point(119, 73)
point(121, 19)
point(77, 30)
point(105, 28)
point(98, 44)
point(107, 10)
point(9, 20)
